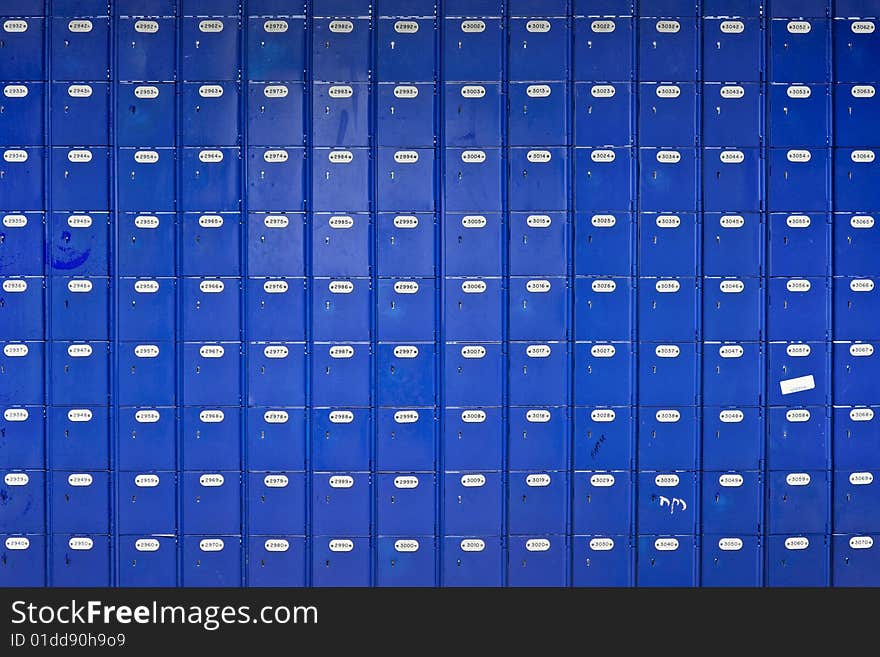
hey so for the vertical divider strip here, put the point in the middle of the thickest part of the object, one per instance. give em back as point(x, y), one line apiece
point(571, 108)
point(438, 107)
point(47, 288)
point(505, 279)
point(635, 229)
point(244, 348)
point(374, 291)
point(114, 298)
point(765, 274)
point(699, 283)
point(308, 282)
point(829, 282)
point(178, 287)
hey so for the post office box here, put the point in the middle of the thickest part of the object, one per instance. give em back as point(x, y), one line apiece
point(79, 308)
point(209, 48)
point(79, 244)
point(406, 180)
point(854, 8)
point(210, 438)
point(604, 308)
point(856, 367)
point(405, 245)
point(668, 179)
point(538, 7)
point(405, 7)
point(855, 45)
point(406, 309)
point(798, 373)
point(147, 439)
point(855, 241)
point(537, 502)
point(24, 8)
point(276, 502)
point(797, 308)
point(667, 309)
point(798, 438)
point(21, 373)
point(80, 501)
point(731, 561)
point(732, 49)
point(147, 502)
point(668, 439)
point(211, 561)
point(406, 562)
point(406, 374)
point(22, 432)
point(80, 48)
point(732, 114)
point(147, 561)
point(340, 180)
point(211, 308)
point(80, 178)
point(603, 503)
point(276, 48)
point(79, 438)
point(23, 40)
point(473, 374)
point(277, 373)
point(210, 502)
point(472, 7)
point(855, 501)
point(855, 560)
point(406, 49)
point(538, 49)
point(275, 113)
point(668, 244)
point(731, 179)
point(603, 46)
point(405, 504)
point(341, 504)
point(733, 373)
point(537, 561)
point(405, 439)
point(785, 8)
point(79, 373)
point(797, 501)
point(24, 501)
point(603, 179)
point(668, 374)
point(856, 113)
point(472, 244)
point(798, 559)
point(668, 48)
point(537, 114)
point(856, 176)
point(733, 244)
point(538, 373)
point(80, 113)
point(211, 180)
point(276, 561)
point(202, 7)
point(798, 115)
point(538, 244)
point(79, 560)
point(211, 373)
point(405, 114)
point(340, 114)
point(538, 438)
point(472, 561)
point(472, 48)
point(603, 244)
point(473, 180)
point(276, 438)
point(22, 248)
point(22, 560)
point(798, 50)
point(21, 178)
point(276, 244)
point(856, 433)
point(603, 438)
point(145, 373)
point(667, 561)
point(150, 48)
point(474, 308)
point(276, 308)
point(341, 50)
point(341, 374)
point(732, 503)
point(340, 244)
point(146, 308)
point(799, 244)
point(538, 308)
point(341, 309)
point(667, 114)
point(732, 308)
point(473, 438)
point(538, 179)
point(275, 179)
point(603, 114)
point(341, 561)
point(732, 438)
point(602, 561)
point(147, 180)
point(667, 502)
point(209, 114)
point(21, 305)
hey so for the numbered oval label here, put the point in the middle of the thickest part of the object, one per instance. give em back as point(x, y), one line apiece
point(862, 27)
point(275, 26)
point(666, 480)
point(472, 545)
point(147, 416)
point(213, 480)
point(732, 27)
point(473, 157)
point(146, 480)
point(18, 221)
point(862, 157)
point(406, 157)
point(17, 543)
point(667, 27)
point(730, 480)
point(406, 27)
point(538, 480)
point(15, 350)
point(276, 545)
point(473, 480)
point(602, 155)
point(212, 351)
point(83, 543)
point(537, 545)
point(667, 286)
point(79, 156)
point(341, 287)
point(341, 481)
point(539, 416)
point(667, 91)
point(863, 91)
point(275, 481)
point(146, 221)
point(79, 350)
point(341, 545)
point(797, 543)
point(341, 417)
point(16, 414)
point(798, 91)
point(406, 91)
point(731, 416)
point(276, 351)
point(604, 480)
point(798, 479)
point(861, 414)
point(798, 285)
point(473, 91)
point(210, 91)
point(798, 27)
point(276, 417)
point(798, 415)
point(603, 26)
point(603, 350)
point(603, 220)
point(862, 221)
point(538, 351)
point(80, 26)
point(211, 26)
point(666, 544)
point(861, 478)
point(15, 156)
point(730, 544)
point(473, 27)
point(406, 545)
point(861, 542)
point(406, 351)
point(341, 27)
point(340, 91)
point(275, 91)
point(80, 479)
point(604, 285)
point(79, 415)
point(603, 415)
point(539, 157)
point(861, 350)
point(667, 351)
point(473, 286)
point(731, 351)
point(473, 351)
point(667, 415)
point(668, 157)
point(211, 545)
point(732, 157)
point(538, 27)
point(732, 91)
point(16, 479)
point(538, 90)
point(146, 27)
point(473, 416)
point(406, 417)
point(406, 481)
point(798, 156)
point(15, 285)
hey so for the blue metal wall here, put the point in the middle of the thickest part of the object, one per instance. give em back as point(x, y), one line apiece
point(518, 293)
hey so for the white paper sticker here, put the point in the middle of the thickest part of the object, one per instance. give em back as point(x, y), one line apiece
point(798, 384)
